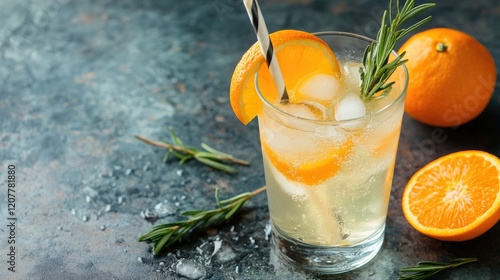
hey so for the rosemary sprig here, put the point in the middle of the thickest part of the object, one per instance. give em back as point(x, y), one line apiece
point(427, 269)
point(208, 156)
point(164, 235)
point(376, 66)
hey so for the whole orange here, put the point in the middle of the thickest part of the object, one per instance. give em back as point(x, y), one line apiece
point(452, 77)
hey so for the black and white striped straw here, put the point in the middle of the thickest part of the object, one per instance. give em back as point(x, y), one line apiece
point(266, 46)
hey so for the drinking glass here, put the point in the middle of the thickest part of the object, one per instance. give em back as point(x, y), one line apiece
point(329, 182)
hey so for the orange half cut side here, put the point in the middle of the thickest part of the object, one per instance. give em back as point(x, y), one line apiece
point(456, 197)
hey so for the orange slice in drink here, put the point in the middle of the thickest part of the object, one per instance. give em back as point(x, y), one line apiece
point(309, 169)
point(385, 144)
point(456, 197)
point(301, 55)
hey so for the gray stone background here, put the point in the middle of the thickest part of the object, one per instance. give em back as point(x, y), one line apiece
point(80, 78)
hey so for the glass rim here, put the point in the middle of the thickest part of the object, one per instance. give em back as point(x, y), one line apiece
point(401, 95)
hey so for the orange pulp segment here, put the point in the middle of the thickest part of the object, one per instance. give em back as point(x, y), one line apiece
point(456, 197)
point(300, 55)
point(388, 142)
point(309, 169)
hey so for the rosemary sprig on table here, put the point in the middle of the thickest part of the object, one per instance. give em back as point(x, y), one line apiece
point(376, 66)
point(208, 156)
point(164, 235)
point(427, 269)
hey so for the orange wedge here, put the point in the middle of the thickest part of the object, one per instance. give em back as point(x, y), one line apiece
point(300, 55)
point(309, 169)
point(456, 197)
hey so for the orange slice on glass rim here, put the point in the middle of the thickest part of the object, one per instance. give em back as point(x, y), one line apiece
point(300, 55)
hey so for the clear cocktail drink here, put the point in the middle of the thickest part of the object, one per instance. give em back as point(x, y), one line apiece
point(329, 161)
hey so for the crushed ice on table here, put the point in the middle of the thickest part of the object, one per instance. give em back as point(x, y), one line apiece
point(107, 208)
point(225, 254)
point(267, 231)
point(163, 209)
point(217, 245)
point(146, 166)
point(200, 251)
point(190, 269)
point(149, 215)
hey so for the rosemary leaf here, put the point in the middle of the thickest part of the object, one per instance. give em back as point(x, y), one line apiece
point(426, 269)
point(215, 152)
point(235, 208)
point(174, 137)
point(209, 156)
point(184, 159)
point(215, 164)
point(164, 235)
point(164, 239)
point(167, 155)
point(217, 197)
point(376, 70)
point(191, 212)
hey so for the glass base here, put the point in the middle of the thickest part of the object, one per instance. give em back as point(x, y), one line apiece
point(327, 260)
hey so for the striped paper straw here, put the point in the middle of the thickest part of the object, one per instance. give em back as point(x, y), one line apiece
point(266, 46)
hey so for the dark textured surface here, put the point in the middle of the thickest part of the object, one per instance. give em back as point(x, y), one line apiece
point(80, 78)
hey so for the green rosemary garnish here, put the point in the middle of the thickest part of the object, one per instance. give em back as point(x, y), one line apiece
point(164, 235)
point(208, 156)
point(427, 269)
point(376, 66)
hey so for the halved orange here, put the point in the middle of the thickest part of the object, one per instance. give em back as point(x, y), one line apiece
point(456, 197)
point(300, 55)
